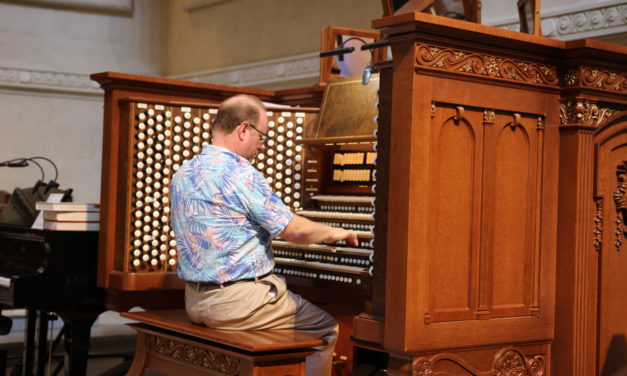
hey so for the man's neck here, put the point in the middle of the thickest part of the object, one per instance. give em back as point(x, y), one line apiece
point(226, 143)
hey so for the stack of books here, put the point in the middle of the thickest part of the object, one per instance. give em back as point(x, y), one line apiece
point(70, 216)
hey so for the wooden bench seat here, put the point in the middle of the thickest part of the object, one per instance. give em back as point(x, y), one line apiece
point(167, 341)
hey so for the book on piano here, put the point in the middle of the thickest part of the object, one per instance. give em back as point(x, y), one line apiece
point(67, 206)
point(70, 216)
point(71, 226)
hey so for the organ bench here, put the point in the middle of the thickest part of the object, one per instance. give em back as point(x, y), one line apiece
point(167, 341)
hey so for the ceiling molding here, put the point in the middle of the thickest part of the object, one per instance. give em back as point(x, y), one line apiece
point(583, 23)
point(273, 71)
point(194, 5)
point(40, 80)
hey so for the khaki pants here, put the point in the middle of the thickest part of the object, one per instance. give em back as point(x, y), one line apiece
point(264, 304)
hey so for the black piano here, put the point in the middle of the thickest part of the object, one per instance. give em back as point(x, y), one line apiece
point(51, 272)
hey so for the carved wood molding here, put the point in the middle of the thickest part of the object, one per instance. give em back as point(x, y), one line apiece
point(186, 353)
point(580, 112)
point(595, 78)
point(621, 204)
point(507, 362)
point(598, 224)
point(496, 67)
point(488, 116)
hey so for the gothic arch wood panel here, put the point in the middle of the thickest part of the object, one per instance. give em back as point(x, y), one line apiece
point(609, 248)
point(454, 196)
point(513, 246)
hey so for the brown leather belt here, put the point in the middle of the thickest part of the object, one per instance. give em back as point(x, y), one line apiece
point(210, 285)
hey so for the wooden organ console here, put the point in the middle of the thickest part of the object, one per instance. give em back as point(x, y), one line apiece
point(504, 193)
point(150, 135)
point(498, 189)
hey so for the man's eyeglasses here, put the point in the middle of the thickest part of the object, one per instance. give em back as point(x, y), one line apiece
point(263, 136)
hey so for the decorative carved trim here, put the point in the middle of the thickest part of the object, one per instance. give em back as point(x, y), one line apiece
point(598, 224)
point(507, 362)
point(422, 368)
point(510, 363)
point(536, 365)
point(596, 78)
point(275, 71)
point(585, 23)
point(485, 65)
point(183, 352)
point(489, 116)
point(48, 81)
point(584, 113)
point(621, 204)
point(515, 120)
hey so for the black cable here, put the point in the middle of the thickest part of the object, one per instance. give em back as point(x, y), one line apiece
point(22, 162)
point(41, 169)
point(56, 171)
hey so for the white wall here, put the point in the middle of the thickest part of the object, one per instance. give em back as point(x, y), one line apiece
point(65, 128)
point(48, 105)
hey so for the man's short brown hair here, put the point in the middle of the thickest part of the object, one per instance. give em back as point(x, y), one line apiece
point(233, 111)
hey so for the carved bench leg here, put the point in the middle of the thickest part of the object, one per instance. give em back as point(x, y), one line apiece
point(139, 361)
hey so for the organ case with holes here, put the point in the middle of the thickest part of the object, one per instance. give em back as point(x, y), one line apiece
point(152, 126)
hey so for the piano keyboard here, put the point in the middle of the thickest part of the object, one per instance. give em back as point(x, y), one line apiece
point(322, 266)
point(335, 263)
point(336, 215)
point(324, 248)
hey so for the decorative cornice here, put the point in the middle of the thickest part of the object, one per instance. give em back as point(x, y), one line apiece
point(583, 113)
point(495, 67)
point(276, 71)
point(185, 353)
point(611, 19)
point(39, 80)
point(595, 78)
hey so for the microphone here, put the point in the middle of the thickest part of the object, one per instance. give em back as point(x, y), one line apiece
point(21, 163)
point(337, 51)
point(366, 75)
point(379, 44)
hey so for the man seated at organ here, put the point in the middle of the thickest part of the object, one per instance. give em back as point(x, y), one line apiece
point(224, 215)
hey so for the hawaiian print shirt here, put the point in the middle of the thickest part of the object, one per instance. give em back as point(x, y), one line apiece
point(224, 215)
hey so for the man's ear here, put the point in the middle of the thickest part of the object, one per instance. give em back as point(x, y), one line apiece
point(241, 130)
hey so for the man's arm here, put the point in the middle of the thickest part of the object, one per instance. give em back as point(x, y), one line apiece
point(303, 231)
